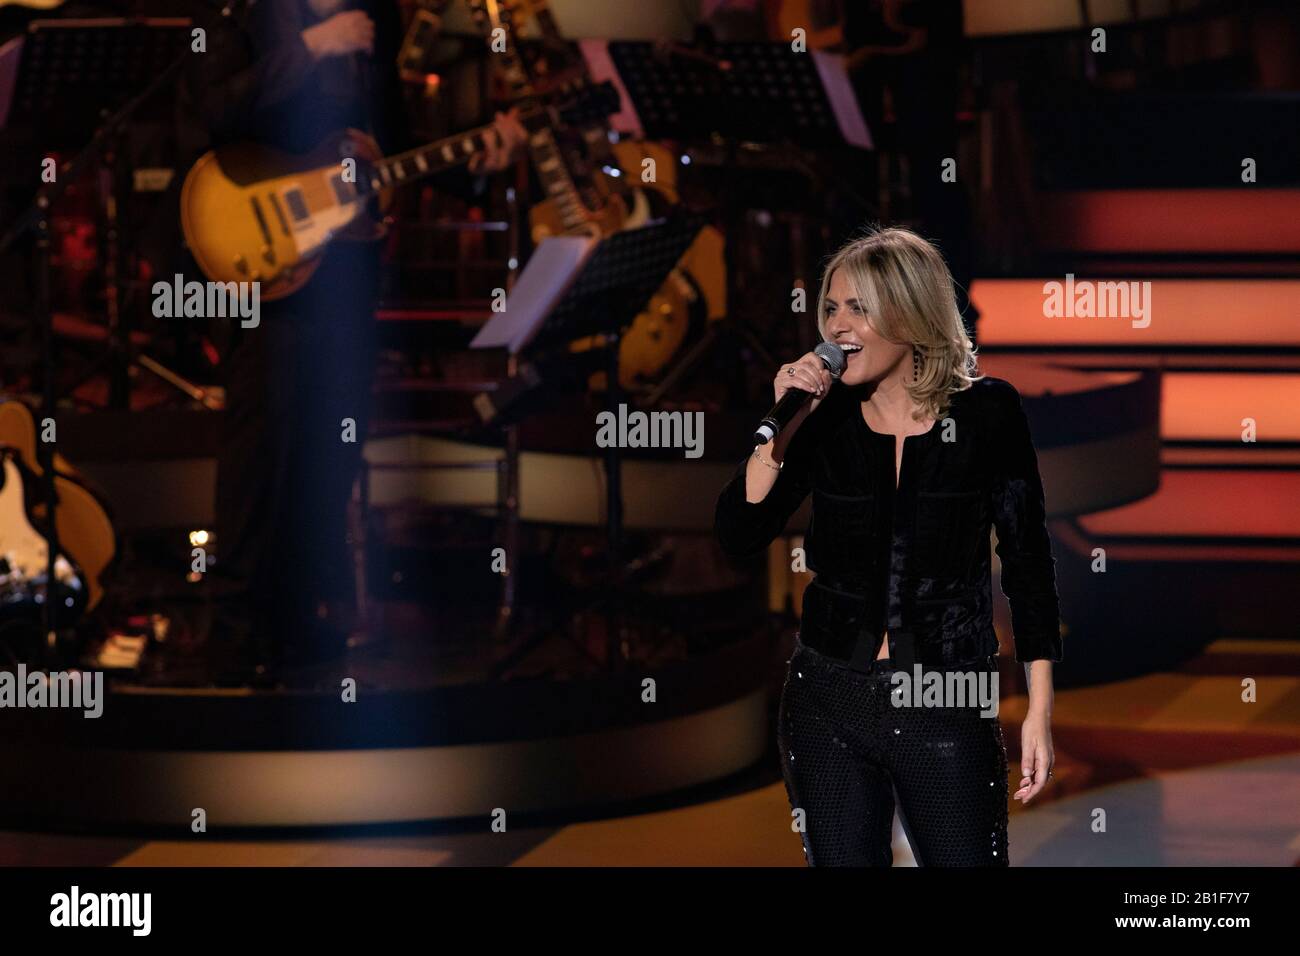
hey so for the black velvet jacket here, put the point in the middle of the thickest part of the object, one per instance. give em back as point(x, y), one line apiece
point(912, 560)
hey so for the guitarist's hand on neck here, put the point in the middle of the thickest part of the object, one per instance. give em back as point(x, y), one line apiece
point(510, 138)
point(340, 35)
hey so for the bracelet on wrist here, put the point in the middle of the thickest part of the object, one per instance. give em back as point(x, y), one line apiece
point(774, 467)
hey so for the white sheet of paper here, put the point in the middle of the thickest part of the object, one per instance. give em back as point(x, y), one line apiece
point(554, 265)
point(844, 102)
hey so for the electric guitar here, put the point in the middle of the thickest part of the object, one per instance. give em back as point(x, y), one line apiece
point(23, 551)
point(252, 213)
point(87, 542)
point(582, 198)
point(574, 206)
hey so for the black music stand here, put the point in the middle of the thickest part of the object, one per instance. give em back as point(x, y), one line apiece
point(70, 71)
point(74, 75)
point(739, 98)
point(612, 288)
point(752, 92)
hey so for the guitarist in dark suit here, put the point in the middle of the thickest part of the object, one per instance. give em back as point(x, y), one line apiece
point(285, 73)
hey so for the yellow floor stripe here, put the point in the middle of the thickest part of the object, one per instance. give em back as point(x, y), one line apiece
point(195, 852)
point(1215, 704)
point(1272, 648)
point(1176, 702)
point(752, 829)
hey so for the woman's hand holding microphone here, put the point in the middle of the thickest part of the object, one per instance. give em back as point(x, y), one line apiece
point(807, 373)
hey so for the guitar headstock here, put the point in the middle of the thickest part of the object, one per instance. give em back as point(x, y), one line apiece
point(489, 14)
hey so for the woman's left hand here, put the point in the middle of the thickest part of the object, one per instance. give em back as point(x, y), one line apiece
point(1036, 756)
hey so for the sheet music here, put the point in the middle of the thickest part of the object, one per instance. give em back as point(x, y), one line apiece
point(554, 265)
point(839, 90)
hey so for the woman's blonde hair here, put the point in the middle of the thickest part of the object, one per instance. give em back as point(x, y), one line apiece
point(904, 288)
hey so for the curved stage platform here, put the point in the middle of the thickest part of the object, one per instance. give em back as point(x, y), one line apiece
point(281, 758)
point(404, 752)
point(1083, 421)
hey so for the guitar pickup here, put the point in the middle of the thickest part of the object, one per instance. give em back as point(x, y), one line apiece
point(261, 220)
point(298, 211)
point(279, 213)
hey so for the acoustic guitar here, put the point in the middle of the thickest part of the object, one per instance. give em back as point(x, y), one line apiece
point(251, 213)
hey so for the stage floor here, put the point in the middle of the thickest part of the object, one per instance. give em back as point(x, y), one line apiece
point(1188, 776)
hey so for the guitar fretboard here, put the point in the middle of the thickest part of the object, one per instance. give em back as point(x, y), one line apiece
point(446, 153)
point(423, 161)
point(428, 160)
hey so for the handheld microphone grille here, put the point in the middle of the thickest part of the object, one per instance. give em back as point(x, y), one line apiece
point(832, 357)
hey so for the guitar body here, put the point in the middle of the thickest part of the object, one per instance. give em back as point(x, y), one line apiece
point(251, 213)
point(695, 289)
point(705, 259)
point(23, 554)
point(86, 535)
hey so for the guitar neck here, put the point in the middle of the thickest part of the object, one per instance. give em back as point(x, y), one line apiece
point(438, 156)
point(548, 159)
point(595, 133)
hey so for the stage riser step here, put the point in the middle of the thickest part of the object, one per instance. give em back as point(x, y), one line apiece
point(1139, 312)
point(1120, 221)
point(1232, 506)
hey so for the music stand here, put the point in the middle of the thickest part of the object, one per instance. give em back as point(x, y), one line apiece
point(73, 75)
point(753, 92)
point(604, 295)
point(71, 71)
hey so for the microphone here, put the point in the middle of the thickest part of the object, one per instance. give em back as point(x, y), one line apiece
point(792, 401)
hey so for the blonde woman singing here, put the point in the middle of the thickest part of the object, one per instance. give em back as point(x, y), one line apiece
point(911, 459)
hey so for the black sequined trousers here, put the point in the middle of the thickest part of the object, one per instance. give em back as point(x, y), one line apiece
point(849, 757)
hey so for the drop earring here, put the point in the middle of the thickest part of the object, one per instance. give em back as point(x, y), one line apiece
point(916, 364)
